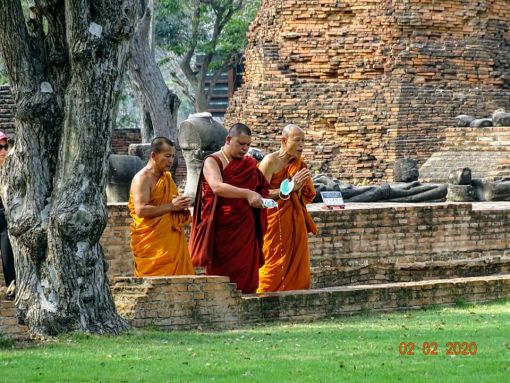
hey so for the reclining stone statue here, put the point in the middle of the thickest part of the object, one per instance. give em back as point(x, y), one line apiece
point(386, 192)
point(405, 189)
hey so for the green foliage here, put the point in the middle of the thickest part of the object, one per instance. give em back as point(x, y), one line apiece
point(214, 27)
point(174, 19)
point(171, 26)
point(353, 349)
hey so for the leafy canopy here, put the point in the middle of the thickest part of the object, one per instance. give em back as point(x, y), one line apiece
point(183, 25)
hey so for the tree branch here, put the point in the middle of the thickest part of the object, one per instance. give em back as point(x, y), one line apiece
point(186, 60)
point(183, 86)
point(209, 55)
point(227, 64)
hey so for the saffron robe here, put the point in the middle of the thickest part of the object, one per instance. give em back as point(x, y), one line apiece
point(236, 245)
point(286, 255)
point(159, 243)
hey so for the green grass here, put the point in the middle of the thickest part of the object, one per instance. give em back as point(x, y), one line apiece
point(355, 349)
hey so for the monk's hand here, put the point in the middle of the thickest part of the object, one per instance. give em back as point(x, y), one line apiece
point(255, 199)
point(300, 178)
point(180, 203)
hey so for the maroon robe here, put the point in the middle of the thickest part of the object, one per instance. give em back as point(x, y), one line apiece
point(236, 246)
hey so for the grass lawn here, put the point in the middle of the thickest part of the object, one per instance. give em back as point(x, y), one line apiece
point(363, 348)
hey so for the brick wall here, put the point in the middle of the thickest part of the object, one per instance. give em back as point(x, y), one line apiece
point(178, 302)
point(116, 241)
point(9, 327)
point(375, 243)
point(484, 150)
point(182, 303)
point(122, 138)
point(371, 80)
point(6, 110)
point(371, 243)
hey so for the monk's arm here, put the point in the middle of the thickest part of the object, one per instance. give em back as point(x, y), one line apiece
point(141, 198)
point(213, 177)
point(266, 166)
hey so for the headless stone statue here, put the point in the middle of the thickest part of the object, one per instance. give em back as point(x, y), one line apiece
point(199, 136)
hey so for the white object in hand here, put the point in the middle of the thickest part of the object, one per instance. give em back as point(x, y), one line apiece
point(269, 203)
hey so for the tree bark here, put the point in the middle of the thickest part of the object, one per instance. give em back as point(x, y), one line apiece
point(66, 84)
point(158, 104)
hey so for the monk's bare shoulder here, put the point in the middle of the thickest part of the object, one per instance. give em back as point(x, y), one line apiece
point(143, 177)
point(268, 165)
point(272, 162)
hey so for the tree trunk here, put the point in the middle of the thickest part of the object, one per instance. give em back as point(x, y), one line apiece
point(66, 84)
point(159, 105)
point(201, 99)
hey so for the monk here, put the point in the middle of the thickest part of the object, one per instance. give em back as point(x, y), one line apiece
point(286, 256)
point(159, 216)
point(230, 194)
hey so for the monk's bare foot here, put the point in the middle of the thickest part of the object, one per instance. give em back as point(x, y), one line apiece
point(10, 294)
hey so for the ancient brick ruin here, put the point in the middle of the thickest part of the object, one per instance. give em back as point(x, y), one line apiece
point(371, 80)
point(6, 111)
point(484, 150)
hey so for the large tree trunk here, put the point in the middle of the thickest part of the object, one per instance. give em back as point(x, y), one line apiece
point(201, 99)
point(158, 104)
point(66, 84)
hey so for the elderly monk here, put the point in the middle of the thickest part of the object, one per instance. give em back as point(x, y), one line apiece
point(229, 195)
point(159, 216)
point(287, 261)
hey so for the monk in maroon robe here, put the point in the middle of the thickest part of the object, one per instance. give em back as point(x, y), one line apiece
point(229, 222)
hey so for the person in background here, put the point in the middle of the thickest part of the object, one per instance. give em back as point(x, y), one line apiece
point(5, 244)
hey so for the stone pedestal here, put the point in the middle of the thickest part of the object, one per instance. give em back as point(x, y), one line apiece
point(122, 168)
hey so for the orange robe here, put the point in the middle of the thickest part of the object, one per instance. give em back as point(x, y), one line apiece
point(285, 249)
point(159, 244)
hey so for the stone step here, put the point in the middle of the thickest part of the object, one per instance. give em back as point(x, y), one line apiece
point(9, 326)
point(407, 272)
point(216, 306)
point(336, 301)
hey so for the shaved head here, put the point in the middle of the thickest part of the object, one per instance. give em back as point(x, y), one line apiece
point(293, 140)
point(237, 129)
point(291, 128)
point(158, 144)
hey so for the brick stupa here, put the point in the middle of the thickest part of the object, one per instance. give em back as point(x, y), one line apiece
point(372, 80)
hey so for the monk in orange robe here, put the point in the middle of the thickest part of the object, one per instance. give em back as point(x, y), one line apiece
point(159, 215)
point(228, 222)
point(286, 255)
